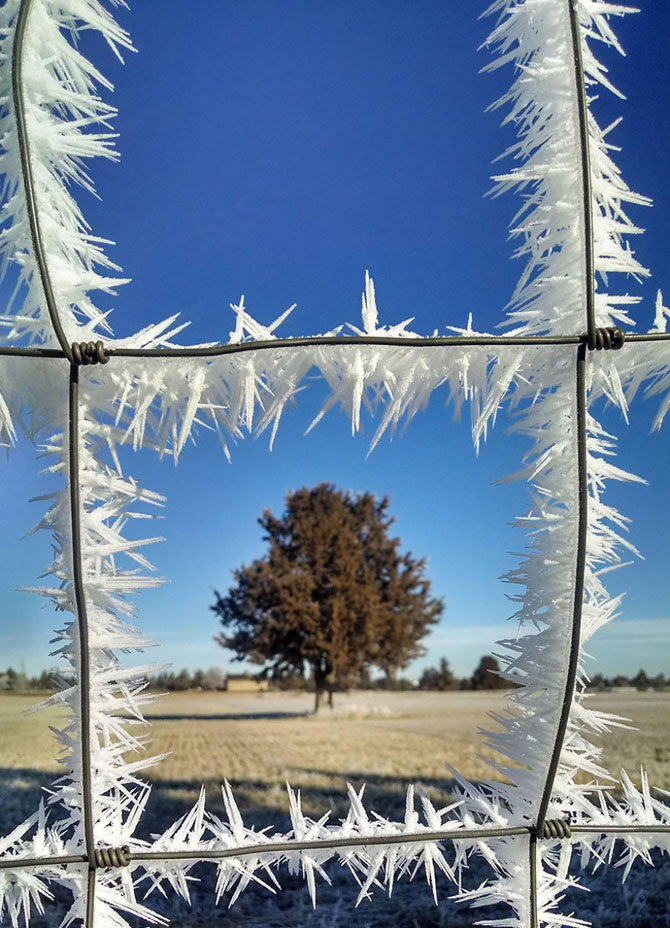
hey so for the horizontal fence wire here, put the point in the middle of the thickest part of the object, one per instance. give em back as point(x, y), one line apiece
point(389, 341)
point(65, 352)
point(245, 850)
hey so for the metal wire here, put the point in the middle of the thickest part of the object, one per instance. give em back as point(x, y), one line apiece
point(89, 353)
point(92, 352)
point(578, 596)
point(112, 856)
point(532, 877)
point(555, 828)
point(42, 863)
point(454, 835)
point(27, 172)
point(352, 341)
point(84, 677)
point(607, 338)
point(436, 341)
point(31, 352)
point(592, 342)
point(90, 898)
point(465, 834)
point(587, 193)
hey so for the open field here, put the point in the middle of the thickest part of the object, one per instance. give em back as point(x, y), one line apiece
point(259, 741)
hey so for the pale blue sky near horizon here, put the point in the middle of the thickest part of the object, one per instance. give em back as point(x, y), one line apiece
point(280, 150)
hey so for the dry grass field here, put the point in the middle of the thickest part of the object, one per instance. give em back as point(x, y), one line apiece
point(259, 741)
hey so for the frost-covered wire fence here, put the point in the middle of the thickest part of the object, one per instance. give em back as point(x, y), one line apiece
point(81, 393)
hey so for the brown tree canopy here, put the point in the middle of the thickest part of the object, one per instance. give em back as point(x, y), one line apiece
point(333, 594)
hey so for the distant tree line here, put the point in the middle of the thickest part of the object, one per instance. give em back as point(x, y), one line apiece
point(641, 681)
point(51, 680)
point(18, 682)
point(209, 680)
point(486, 676)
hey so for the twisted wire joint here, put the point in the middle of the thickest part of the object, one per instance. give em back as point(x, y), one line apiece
point(606, 338)
point(89, 353)
point(112, 857)
point(555, 828)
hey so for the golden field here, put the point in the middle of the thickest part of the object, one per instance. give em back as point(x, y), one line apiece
point(386, 740)
point(260, 741)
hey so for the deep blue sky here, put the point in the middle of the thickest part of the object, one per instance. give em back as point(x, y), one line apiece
point(278, 150)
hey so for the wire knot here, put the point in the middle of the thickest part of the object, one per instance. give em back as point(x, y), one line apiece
point(555, 828)
point(112, 856)
point(606, 338)
point(89, 353)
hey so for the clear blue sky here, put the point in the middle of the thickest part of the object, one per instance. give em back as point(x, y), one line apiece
point(278, 150)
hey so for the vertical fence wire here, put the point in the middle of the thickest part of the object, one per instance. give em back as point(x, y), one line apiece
point(89, 920)
point(585, 158)
point(581, 439)
point(532, 878)
point(27, 174)
point(84, 676)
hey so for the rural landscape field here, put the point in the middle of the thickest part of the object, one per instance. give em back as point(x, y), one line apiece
point(383, 739)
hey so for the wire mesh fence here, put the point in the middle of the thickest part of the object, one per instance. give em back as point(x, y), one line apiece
point(82, 360)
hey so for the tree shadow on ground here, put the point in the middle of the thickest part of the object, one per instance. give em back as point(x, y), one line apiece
point(262, 804)
point(265, 804)
point(21, 790)
point(642, 902)
point(227, 716)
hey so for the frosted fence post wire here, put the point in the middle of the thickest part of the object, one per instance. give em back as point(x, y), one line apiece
point(93, 392)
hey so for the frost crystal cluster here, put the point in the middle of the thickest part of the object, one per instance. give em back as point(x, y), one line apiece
point(573, 231)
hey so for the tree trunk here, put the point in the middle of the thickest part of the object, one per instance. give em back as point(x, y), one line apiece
point(319, 686)
point(330, 686)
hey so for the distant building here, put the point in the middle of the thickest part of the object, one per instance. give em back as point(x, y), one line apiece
point(243, 683)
